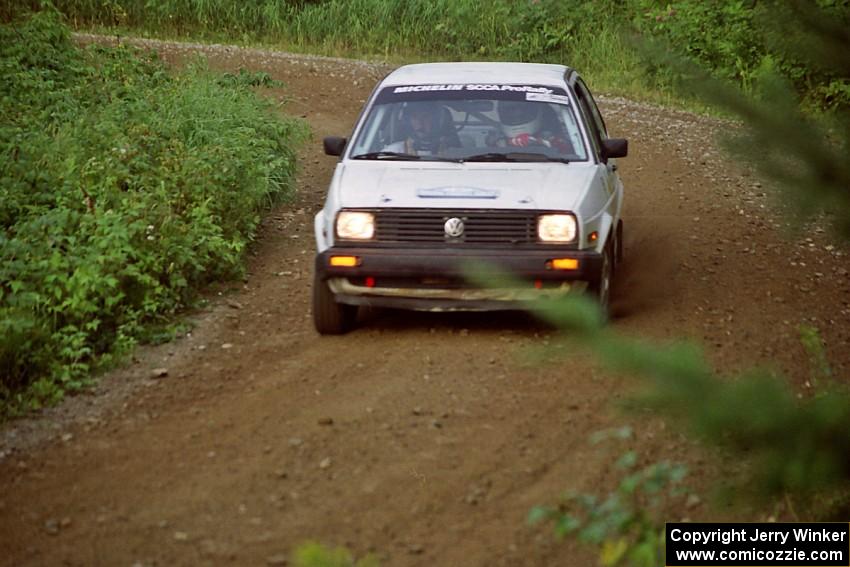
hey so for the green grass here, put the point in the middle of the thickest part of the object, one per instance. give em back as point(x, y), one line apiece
point(123, 189)
point(585, 36)
point(736, 41)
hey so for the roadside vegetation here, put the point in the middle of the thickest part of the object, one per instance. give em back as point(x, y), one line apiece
point(312, 554)
point(123, 189)
point(789, 447)
point(728, 38)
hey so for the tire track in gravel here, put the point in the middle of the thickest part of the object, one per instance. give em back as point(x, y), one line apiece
point(443, 433)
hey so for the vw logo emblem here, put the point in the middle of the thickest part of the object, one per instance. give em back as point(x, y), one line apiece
point(454, 227)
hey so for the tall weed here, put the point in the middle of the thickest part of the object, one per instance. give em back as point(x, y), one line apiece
point(123, 189)
point(735, 39)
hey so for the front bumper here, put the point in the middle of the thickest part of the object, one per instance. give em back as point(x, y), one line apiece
point(435, 279)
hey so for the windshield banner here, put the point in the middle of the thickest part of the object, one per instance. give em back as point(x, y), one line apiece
point(472, 91)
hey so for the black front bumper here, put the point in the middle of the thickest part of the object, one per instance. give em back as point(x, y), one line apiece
point(449, 263)
point(419, 268)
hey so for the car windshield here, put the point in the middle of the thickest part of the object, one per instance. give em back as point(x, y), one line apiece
point(471, 122)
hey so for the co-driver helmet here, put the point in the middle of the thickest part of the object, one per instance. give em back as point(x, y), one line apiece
point(518, 117)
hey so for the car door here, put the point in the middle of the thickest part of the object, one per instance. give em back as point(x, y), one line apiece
point(600, 131)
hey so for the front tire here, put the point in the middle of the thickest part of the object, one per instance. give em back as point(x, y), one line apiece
point(619, 248)
point(601, 288)
point(329, 316)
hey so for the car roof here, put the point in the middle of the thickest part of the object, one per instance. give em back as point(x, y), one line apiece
point(478, 72)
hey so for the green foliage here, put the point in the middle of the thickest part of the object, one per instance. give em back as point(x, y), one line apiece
point(628, 524)
point(122, 189)
point(805, 155)
point(798, 446)
point(821, 371)
point(811, 52)
point(795, 446)
point(733, 39)
point(721, 36)
point(313, 554)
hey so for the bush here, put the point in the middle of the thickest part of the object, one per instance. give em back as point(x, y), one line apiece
point(734, 39)
point(123, 190)
point(627, 524)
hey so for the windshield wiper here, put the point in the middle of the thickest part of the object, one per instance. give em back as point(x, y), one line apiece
point(402, 156)
point(514, 157)
point(391, 155)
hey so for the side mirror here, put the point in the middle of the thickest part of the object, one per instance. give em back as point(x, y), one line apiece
point(615, 147)
point(334, 145)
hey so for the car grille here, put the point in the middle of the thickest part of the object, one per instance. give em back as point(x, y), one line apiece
point(481, 226)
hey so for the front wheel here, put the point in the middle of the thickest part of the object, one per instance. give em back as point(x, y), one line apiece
point(329, 316)
point(601, 288)
point(618, 258)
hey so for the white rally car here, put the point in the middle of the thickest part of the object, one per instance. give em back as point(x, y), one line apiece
point(455, 164)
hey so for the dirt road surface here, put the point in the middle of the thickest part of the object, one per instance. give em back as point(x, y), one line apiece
point(425, 438)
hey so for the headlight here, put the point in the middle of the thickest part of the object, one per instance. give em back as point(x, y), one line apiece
point(556, 228)
point(355, 225)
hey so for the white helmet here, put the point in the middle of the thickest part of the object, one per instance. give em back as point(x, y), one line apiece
point(518, 117)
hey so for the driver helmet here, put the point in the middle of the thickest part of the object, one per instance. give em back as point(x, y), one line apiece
point(424, 121)
point(423, 118)
point(518, 117)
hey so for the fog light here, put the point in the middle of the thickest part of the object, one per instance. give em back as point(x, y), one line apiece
point(370, 281)
point(564, 264)
point(344, 261)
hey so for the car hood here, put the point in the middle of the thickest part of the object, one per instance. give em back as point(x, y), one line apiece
point(542, 186)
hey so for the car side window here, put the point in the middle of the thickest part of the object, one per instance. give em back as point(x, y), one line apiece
point(594, 110)
point(587, 116)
